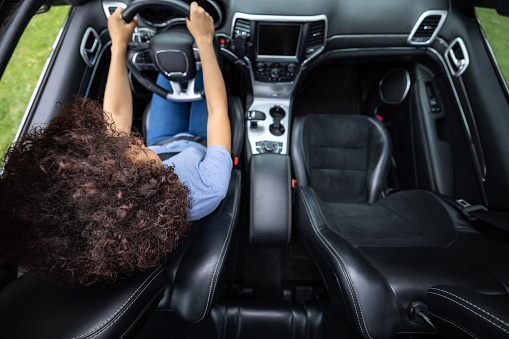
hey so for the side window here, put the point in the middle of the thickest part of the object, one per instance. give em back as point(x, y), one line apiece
point(22, 72)
point(496, 28)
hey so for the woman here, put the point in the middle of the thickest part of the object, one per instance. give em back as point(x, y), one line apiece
point(85, 201)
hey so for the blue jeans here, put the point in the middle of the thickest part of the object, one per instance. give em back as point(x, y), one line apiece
point(169, 118)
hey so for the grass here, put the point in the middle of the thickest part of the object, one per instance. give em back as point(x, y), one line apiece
point(22, 73)
point(24, 68)
point(496, 28)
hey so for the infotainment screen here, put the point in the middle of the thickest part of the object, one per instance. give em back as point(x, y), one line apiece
point(278, 39)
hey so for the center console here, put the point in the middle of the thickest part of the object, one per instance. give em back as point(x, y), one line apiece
point(276, 49)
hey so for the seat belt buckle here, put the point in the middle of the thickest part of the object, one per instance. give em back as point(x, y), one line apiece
point(466, 208)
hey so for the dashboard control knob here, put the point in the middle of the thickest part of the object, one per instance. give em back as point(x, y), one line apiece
point(270, 146)
point(275, 72)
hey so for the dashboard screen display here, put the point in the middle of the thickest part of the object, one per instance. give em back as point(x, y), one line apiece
point(278, 39)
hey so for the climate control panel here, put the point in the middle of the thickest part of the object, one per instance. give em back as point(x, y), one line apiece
point(275, 71)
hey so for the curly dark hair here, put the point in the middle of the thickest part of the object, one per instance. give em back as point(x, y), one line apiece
point(75, 207)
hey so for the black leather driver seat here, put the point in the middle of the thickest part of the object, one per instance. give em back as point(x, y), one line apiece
point(187, 283)
point(378, 257)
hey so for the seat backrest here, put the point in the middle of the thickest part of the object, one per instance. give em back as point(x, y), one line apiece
point(344, 158)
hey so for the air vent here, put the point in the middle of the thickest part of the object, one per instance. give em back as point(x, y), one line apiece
point(242, 27)
point(427, 27)
point(316, 37)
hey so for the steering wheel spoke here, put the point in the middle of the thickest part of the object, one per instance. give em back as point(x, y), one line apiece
point(184, 95)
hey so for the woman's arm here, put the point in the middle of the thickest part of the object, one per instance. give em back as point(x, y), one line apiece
point(118, 99)
point(201, 26)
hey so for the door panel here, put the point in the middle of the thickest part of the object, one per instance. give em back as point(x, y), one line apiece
point(487, 99)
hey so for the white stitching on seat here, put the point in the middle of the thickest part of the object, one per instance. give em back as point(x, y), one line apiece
point(120, 308)
point(215, 274)
point(464, 306)
point(456, 325)
point(480, 309)
point(135, 321)
point(355, 297)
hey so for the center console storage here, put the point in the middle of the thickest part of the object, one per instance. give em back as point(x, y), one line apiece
point(270, 201)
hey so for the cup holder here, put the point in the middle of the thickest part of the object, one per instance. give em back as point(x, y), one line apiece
point(277, 113)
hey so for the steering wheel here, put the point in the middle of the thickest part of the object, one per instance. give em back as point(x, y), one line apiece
point(171, 53)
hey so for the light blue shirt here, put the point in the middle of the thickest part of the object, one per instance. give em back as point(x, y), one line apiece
point(204, 170)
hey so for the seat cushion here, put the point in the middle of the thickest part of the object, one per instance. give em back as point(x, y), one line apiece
point(344, 158)
point(378, 258)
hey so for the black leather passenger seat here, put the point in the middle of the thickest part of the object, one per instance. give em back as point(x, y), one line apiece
point(344, 158)
point(378, 257)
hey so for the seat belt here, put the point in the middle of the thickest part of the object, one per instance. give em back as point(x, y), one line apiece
point(482, 217)
point(164, 156)
point(197, 139)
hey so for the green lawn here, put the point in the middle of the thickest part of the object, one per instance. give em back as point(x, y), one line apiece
point(496, 28)
point(22, 73)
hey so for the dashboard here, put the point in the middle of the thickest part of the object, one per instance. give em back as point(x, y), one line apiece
point(275, 41)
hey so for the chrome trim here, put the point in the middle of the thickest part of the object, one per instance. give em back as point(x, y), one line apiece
point(94, 50)
point(108, 4)
point(443, 15)
point(180, 95)
point(262, 132)
point(451, 59)
point(405, 93)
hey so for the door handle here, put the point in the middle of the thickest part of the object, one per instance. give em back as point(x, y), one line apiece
point(457, 57)
point(90, 46)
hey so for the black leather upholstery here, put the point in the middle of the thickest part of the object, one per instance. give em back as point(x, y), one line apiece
point(31, 309)
point(270, 200)
point(345, 158)
point(250, 318)
point(378, 258)
point(189, 279)
point(460, 313)
point(197, 276)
